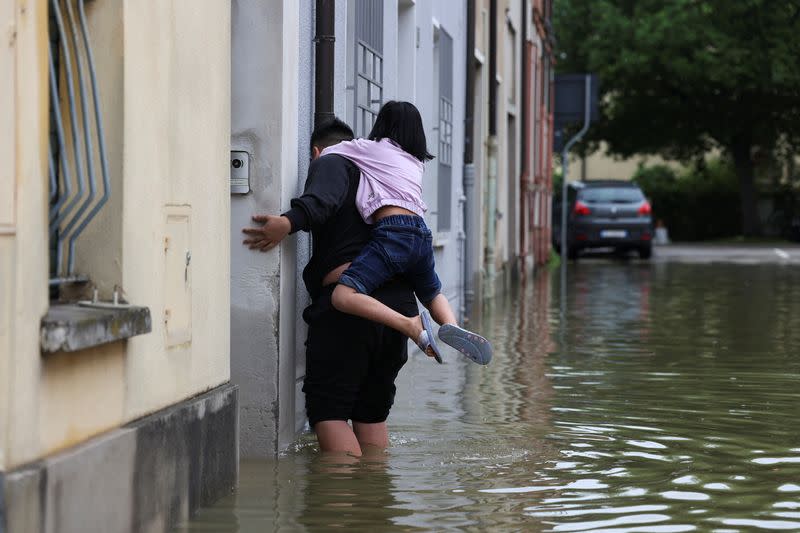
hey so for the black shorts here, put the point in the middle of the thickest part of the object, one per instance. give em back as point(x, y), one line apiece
point(351, 363)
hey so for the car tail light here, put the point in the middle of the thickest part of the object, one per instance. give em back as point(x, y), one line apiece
point(581, 208)
point(646, 236)
point(645, 209)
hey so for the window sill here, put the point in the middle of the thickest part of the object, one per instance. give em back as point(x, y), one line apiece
point(73, 327)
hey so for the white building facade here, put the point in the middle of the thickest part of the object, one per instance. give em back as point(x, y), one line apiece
point(384, 50)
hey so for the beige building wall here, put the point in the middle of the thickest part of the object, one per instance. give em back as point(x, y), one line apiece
point(504, 241)
point(164, 75)
point(23, 238)
point(7, 211)
point(600, 166)
point(510, 121)
point(480, 148)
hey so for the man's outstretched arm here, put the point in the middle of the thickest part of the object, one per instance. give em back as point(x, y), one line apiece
point(268, 236)
point(325, 192)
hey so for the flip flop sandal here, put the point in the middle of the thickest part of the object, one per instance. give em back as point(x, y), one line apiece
point(472, 345)
point(427, 338)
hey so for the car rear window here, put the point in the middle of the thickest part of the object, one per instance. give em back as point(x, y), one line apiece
point(611, 195)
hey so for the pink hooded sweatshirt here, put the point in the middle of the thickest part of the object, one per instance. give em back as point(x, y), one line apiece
point(389, 175)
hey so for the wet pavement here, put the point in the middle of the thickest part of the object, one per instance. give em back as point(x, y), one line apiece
point(661, 397)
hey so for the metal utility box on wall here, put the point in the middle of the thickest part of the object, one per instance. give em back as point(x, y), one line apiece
point(177, 274)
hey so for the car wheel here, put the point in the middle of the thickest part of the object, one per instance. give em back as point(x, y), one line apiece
point(645, 252)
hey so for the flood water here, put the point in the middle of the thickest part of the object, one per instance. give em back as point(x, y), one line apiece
point(666, 399)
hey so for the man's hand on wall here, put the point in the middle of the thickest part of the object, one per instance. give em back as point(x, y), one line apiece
point(269, 235)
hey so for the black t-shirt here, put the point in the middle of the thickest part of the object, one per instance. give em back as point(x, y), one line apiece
point(327, 208)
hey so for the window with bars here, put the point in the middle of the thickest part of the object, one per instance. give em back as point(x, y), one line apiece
point(444, 197)
point(369, 88)
point(369, 64)
point(445, 131)
point(510, 78)
point(80, 191)
point(78, 169)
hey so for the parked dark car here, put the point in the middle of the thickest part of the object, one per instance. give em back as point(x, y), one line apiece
point(605, 214)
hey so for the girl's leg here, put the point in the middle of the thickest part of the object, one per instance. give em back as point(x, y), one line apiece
point(472, 345)
point(348, 300)
point(383, 257)
point(441, 311)
point(337, 436)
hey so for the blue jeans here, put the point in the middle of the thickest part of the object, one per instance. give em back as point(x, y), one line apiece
point(400, 245)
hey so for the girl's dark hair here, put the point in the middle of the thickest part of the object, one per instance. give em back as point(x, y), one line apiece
point(401, 122)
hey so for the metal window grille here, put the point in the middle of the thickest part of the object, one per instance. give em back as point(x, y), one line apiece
point(511, 64)
point(445, 155)
point(445, 131)
point(76, 195)
point(369, 64)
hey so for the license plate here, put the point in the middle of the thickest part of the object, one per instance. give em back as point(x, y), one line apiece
point(613, 234)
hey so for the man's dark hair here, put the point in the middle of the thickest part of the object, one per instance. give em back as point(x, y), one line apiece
point(401, 122)
point(330, 132)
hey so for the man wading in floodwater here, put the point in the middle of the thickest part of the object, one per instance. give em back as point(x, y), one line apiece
point(351, 363)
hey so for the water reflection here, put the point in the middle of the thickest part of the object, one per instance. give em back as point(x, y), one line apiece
point(667, 403)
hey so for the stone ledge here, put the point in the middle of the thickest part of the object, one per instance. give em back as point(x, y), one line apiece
point(72, 327)
point(145, 477)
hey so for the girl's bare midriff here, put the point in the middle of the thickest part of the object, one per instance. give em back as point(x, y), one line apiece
point(389, 210)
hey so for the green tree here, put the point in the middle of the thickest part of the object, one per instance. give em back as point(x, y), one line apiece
point(678, 77)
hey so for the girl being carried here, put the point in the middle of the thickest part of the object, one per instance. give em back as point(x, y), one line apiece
point(390, 197)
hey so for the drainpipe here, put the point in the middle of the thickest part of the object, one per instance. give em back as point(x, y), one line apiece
point(491, 145)
point(323, 64)
point(470, 228)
